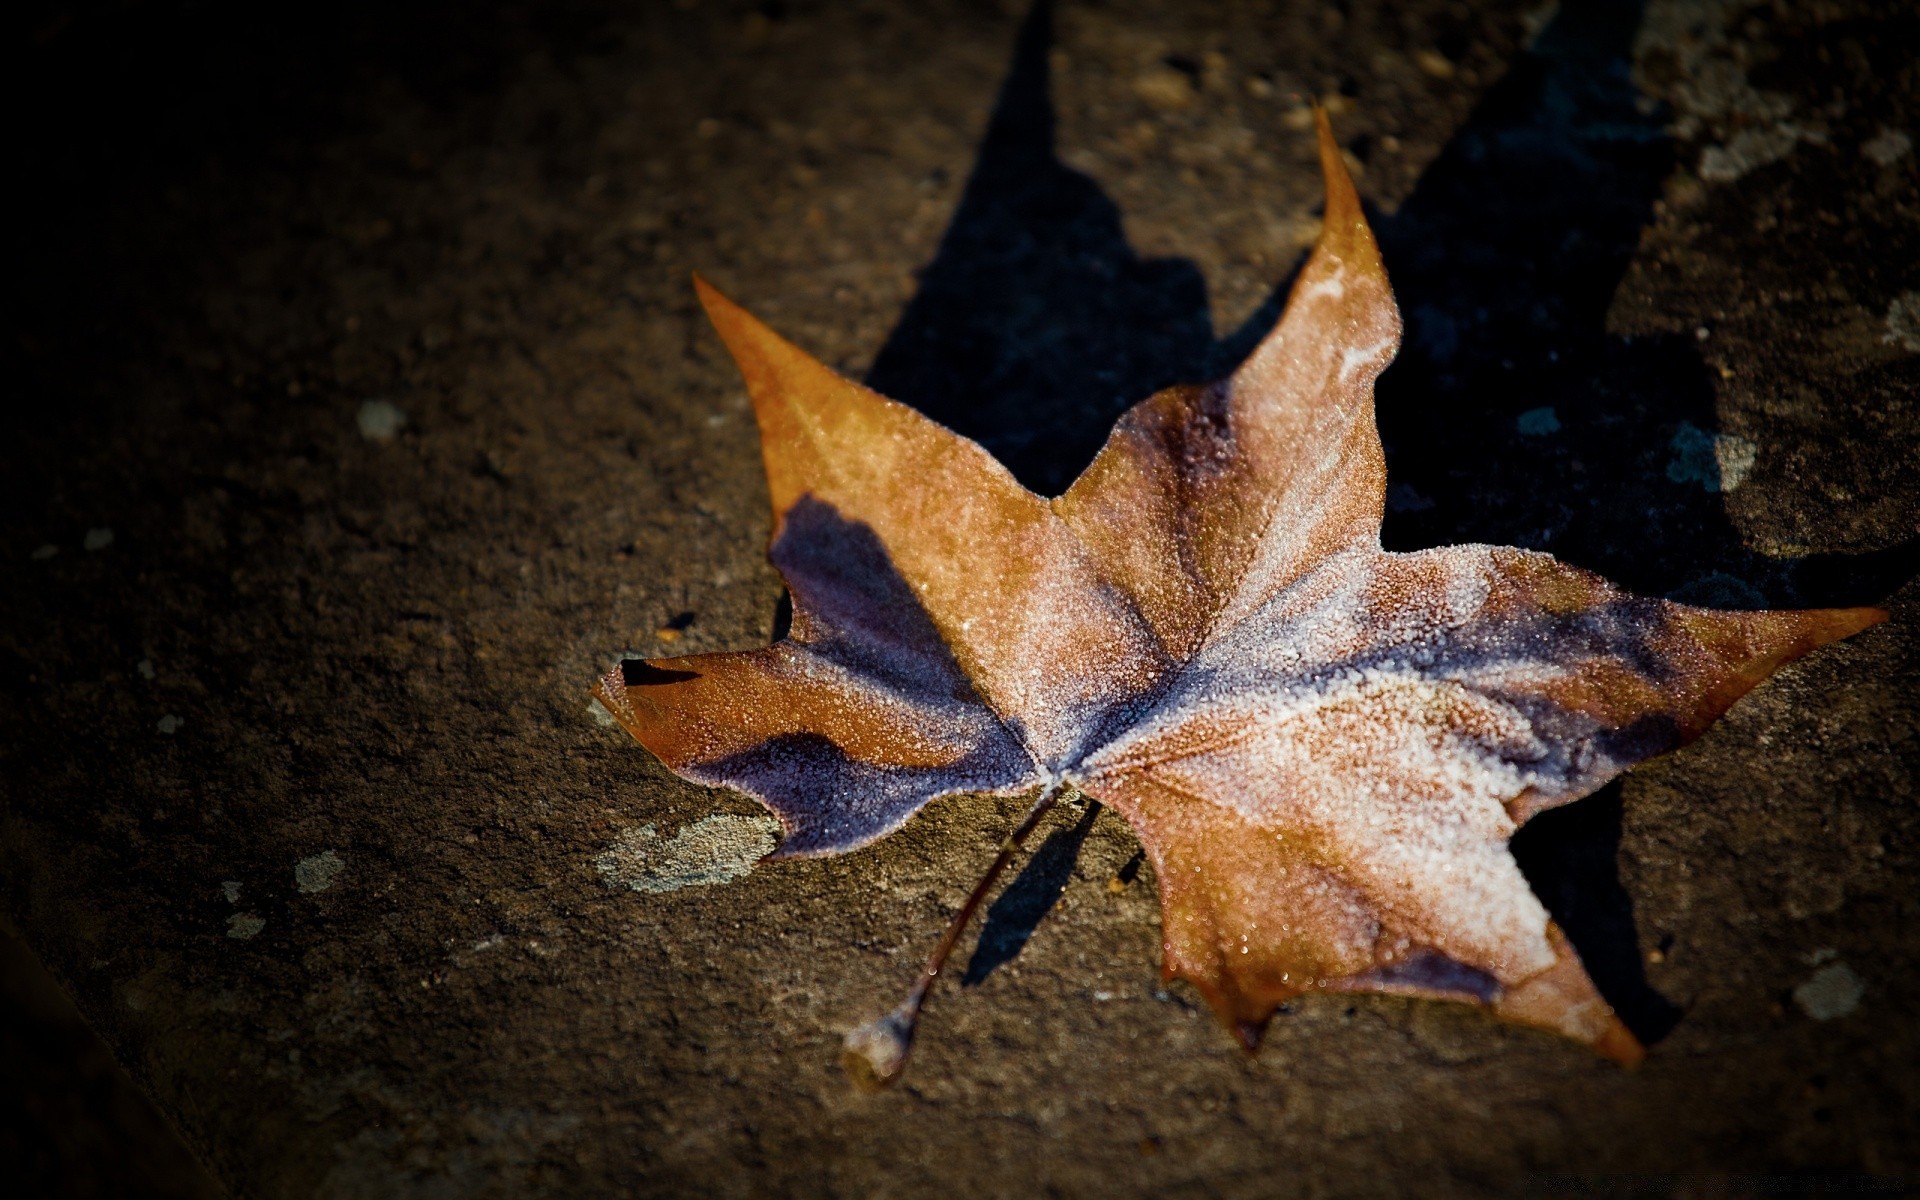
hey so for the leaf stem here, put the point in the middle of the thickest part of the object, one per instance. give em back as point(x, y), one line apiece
point(876, 1053)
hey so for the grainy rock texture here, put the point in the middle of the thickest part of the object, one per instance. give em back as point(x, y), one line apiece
point(364, 415)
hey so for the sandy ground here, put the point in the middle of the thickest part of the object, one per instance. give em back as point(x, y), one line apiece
point(362, 414)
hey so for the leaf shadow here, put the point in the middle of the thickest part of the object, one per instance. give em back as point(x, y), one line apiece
point(1570, 857)
point(1036, 324)
point(857, 614)
point(1018, 910)
point(1513, 416)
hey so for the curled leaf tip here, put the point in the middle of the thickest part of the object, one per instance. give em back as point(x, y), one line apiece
point(611, 691)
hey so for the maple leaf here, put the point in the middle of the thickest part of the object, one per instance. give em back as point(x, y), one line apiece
point(1323, 747)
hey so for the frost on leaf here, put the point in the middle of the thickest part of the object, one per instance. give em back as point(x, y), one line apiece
point(1323, 747)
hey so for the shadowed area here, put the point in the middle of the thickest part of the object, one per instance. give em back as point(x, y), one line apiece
point(848, 730)
point(1036, 324)
point(1569, 858)
point(1513, 416)
point(71, 1122)
point(853, 608)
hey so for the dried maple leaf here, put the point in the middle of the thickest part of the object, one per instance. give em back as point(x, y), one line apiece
point(1323, 747)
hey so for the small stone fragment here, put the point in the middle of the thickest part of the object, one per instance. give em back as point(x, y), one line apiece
point(1735, 456)
point(1717, 462)
point(1538, 422)
point(245, 925)
point(1903, 321)
point(145, 667)
point(380, 420)
point(1434, 63)
point(1692, 460)
point(1832, 991)
point(97, 539)
point(231, 890)
point(169, 724)
point(1164, 88)
point(714, 849)
point(1748, 150)
point(44, 553)
point(1887, 147)
point(317, 874)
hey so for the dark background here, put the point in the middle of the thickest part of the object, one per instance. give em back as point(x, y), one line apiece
point(1686, 229)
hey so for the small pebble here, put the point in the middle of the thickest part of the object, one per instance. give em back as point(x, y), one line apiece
point(1903, 320)
point(244, 925)
point(1538, 422)
point(1164, 88)
point(145, 667)
point(712, 850)
point(1434, 63)
point(97, 539)
point(1717, 462)
point(380, 421)
point(316, 874)
point(1889, 146)
point(44, 553)
point(1832, 991)
point(169, 724)
point(231, 890)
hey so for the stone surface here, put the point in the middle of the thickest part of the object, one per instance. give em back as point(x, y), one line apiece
point(379, 648)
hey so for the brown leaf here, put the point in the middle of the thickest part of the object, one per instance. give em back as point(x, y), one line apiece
point(1324, 747)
